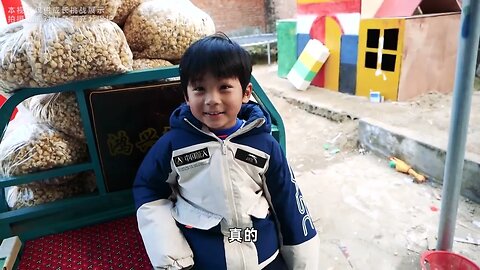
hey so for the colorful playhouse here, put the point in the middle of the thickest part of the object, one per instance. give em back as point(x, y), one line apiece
point(400, 49)
point(409, 50)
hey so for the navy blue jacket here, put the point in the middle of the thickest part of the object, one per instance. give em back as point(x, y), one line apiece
point(222, 204)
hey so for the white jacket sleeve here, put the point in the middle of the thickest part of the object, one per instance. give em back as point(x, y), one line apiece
point(165, 244)
point(303, 256)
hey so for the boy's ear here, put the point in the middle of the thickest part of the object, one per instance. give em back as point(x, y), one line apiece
point(248, 93)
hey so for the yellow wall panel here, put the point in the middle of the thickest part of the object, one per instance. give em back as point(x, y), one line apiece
point(375, 79)
point(333, 35)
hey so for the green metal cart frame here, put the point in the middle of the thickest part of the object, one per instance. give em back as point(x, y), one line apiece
point(33, 222)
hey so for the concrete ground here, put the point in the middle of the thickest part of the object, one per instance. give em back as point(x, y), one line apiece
point(368, 215)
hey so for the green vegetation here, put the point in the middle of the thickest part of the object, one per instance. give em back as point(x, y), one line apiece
point(476, 84)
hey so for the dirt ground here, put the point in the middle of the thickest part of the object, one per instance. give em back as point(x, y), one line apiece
point(368, 215)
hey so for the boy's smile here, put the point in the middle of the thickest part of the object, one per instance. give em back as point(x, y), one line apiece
point(216, 101)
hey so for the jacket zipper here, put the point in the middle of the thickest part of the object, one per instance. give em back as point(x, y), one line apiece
point(240, 131)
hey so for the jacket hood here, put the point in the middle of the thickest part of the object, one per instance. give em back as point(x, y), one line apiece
point(249, 112)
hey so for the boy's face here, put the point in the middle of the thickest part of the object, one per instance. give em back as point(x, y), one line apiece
point(217, 101)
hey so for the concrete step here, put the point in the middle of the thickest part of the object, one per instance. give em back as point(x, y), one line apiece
point(425, 157)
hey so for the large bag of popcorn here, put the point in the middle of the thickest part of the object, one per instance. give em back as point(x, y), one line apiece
point(59, 111)
point(29, 146)
point(165, 29)
point(126, 7)
point(58, 8)
point(15, 70)
point(42, 51)
point(40, 192)
point(66, 49)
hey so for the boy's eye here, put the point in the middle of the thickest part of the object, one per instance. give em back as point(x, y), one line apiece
point(199, 88)
point(226, 86)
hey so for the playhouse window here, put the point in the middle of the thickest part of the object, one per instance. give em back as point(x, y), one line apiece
point(388, 62)
point(390, 39)
point(371, 60)
point(372, 38)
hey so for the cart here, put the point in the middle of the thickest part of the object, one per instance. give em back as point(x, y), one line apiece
point(111, 202)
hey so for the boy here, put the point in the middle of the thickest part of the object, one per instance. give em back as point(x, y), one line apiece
point(216, 192)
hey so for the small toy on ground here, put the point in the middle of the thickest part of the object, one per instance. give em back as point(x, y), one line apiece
point(403, 167)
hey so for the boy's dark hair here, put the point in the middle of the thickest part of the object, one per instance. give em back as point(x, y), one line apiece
point(216, 54)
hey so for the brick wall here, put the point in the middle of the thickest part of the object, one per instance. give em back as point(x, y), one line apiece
point(285, 9)
point(236, 17)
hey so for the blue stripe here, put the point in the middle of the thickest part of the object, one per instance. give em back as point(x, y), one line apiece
point(267, 238)
point(207, 247)
point(349, 49)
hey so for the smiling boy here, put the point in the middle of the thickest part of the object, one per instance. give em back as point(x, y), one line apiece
point(216, 191)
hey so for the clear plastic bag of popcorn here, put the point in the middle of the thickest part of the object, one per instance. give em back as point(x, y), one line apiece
point(58, 8)
point(15, 69)
point(40, 192)
point(59, 111)
point(165, 29)
point(30, 146)
point(43, 52)
point(61, 50)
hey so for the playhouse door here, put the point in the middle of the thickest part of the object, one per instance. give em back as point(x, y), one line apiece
point(380, 47)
